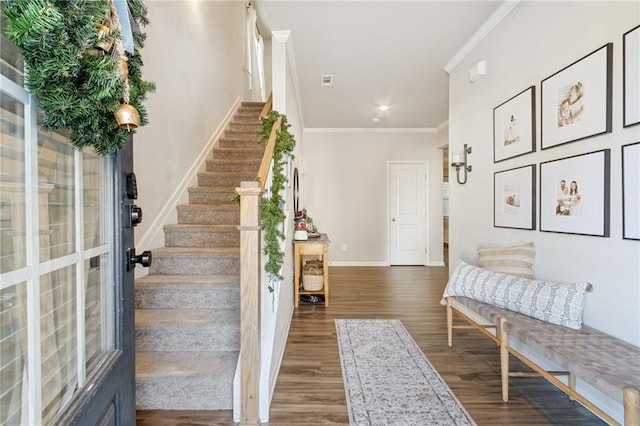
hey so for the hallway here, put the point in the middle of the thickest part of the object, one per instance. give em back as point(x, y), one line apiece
point(310, 391)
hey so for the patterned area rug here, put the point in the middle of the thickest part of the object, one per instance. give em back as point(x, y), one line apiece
point(389, 381)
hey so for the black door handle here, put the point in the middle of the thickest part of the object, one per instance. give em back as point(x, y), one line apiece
point(145, 258)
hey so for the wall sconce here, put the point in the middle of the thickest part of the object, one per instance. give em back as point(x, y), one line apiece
point(461, 164)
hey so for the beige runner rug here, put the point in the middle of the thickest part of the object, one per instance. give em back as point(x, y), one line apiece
point(389, 381)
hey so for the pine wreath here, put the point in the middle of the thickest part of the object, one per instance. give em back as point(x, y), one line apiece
point(74, 61)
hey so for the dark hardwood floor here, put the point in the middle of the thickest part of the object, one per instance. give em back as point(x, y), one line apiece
point(310, 391)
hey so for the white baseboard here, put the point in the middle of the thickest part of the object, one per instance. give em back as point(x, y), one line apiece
point(157, 226)
point(438, 263)
point(358, 263)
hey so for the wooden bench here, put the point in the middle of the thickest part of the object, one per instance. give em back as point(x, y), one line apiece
point(609, 365)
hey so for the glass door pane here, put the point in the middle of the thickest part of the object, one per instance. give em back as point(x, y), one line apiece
point(97, 200)
point(56, 167)
point(12, 184)
point(58, 333)
point(13, 353)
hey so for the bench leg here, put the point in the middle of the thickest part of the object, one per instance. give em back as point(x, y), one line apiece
point(449, 323)
point(504, 359)
point(631, 407)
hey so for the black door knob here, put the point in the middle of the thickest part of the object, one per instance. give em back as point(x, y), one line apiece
point(145, 258)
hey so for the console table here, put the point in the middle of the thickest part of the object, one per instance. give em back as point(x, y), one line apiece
point(313, 247)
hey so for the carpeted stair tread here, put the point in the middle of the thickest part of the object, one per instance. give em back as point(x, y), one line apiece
point(195, 251)
point(210, 195)
point(197, 235)
point(188, 281)
point(233, 165)
point(184, 318)
point(235, 153)
point(240, 148)
point(209, 214)
point(187, 291)
point(185, 380)
point(227, 206)
point(237, 143)
point(245, 125)
point(187, 330)
point(224, 178)
point(240, 175)
point(201, 228)
point(195, 261)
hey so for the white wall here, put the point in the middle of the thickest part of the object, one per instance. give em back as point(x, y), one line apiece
point(277, 307)
point(536, 40)
point(344, 188)
point(194, 54)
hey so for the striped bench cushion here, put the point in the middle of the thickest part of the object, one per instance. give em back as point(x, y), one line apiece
point(518, 260)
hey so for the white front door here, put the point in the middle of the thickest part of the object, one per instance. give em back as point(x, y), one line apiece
point(407, 213)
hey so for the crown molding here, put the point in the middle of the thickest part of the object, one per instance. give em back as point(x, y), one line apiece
point(489, 25)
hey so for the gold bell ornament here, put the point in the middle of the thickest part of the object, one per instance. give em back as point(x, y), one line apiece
point(127, 117)
point(105, 42)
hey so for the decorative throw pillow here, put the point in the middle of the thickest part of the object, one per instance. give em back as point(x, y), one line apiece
point(557, 303)
point(517, 260)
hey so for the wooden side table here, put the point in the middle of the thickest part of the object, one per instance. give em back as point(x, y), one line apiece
point(316, 247)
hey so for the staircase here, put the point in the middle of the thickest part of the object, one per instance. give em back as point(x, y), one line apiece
point(188, 307)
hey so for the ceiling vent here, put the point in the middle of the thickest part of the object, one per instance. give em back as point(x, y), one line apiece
point(327, 80)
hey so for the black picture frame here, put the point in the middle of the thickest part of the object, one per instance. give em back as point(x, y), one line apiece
point(630, 81)
point(514, 198)
point(631, 191)
point(576, 102)
point(585, 211)
point(514, 126)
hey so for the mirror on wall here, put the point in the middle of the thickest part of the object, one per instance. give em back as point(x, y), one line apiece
point(296, 190)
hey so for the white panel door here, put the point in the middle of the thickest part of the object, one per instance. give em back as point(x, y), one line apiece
point(407, 213)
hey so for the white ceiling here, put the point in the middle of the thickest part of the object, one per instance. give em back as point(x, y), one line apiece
point(380, 52)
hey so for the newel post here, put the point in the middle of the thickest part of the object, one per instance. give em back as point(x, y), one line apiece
point(250, 193)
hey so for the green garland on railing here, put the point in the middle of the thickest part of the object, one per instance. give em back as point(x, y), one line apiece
point(271, 208)
point(80, 87)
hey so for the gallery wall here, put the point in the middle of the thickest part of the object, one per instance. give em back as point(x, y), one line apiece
point(533, 42)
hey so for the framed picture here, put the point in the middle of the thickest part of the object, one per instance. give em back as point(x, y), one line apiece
point(631, 191)
point(514, 195)
point(574, 194)
point(631, 79)
point(576, 101)
point(514, 130)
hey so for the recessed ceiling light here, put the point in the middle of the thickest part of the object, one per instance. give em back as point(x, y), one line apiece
point(383, 108)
